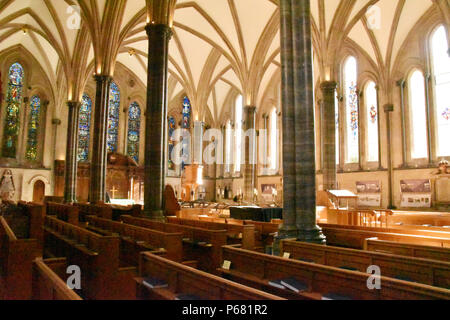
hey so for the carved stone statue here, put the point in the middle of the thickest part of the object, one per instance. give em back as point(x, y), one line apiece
point(7, 188)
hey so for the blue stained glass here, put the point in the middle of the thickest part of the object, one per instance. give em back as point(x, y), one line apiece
point(134, 130)
point(171, 130)
point(113, 117)
point(185, 124)
point(84, 128)
point(12, 120)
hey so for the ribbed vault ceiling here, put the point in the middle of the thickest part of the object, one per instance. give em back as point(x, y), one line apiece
point(218, 45)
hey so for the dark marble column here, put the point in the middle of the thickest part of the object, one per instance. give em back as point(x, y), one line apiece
point(97, 191)
point(402, 85)
point(156, 120)
point(299, 168)
point(329, 134)
point(388, 109)
point(249, 135)
point(70, 186)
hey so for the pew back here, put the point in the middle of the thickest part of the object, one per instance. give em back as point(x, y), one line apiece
point(185, 280)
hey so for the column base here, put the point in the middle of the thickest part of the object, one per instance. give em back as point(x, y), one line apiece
point(285, 232)
point(157, 215)
point(314, 235)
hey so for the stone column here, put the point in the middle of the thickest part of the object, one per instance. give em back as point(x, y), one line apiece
point(329, 134)
point(70, 186)
point(97, 192)
point(388, 109)
point(156, 120)
point(402, 85)
point(55, 123)
point(249, 135)
point(299, 168)
point(198, 141)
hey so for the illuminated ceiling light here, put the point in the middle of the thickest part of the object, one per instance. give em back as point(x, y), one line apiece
point(131, 52)
point(24, 30)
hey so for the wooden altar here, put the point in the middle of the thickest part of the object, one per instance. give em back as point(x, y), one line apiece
point(124, 179)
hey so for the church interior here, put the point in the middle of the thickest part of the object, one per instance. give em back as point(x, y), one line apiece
point(224, 150)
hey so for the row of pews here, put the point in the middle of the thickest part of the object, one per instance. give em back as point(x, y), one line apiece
point(129, 257)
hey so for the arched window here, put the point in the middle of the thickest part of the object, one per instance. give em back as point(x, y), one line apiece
point(228, 136)
point(418, 116)
point(274, 139)
point(238, 133)
point(372, 121)
point(171, 142)
point(185, 124)
point(33, 129)
point(113, 117)
point(134, 130)
point(351, 102)
point(12, 118)
point(84, 128)
point(441, 79)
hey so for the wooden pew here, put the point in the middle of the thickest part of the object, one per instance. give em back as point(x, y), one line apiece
point(36, 213)
point(48, 284)
point(16, 258)
point(236, 233)
point(63, 212)
point(431, 272)
point(437, 219)
point(199, 244)
point(188, 281)
point(321, 282)
point(102, 211)
point(345, 237)
point(134, 211)
point(411, 250)
point(417, 231)
point(136, 239)
point(97, 256)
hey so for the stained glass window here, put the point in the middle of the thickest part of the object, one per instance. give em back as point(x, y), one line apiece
point(418, 115)
point(351, 97)
point(84, 128)
point(13, 100)
point(238, 134)
point(185, 124)
point(171, 144)
point(134, 130)
point(33, 129)
point(113, 117)
point(441, 77)
point(372, 121)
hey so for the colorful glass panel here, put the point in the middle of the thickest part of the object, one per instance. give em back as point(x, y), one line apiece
point(134, 130)
point(113, 117)
point(84, 128)
point(351, 97)
point(33, 129)
point(12, 120)
point(171, 146)
point(185, 124)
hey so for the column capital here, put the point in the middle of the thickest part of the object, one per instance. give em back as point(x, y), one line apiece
point(73, 104)
point(56, 122)
point(102, 78)
point(401, 83)
point(250, 109)
point(328, 85)
point(388, 108)
point(160, 29)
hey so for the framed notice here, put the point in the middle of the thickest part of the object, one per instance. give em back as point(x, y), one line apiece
point(267, 191)
point(416, 193)
point(369, 193)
